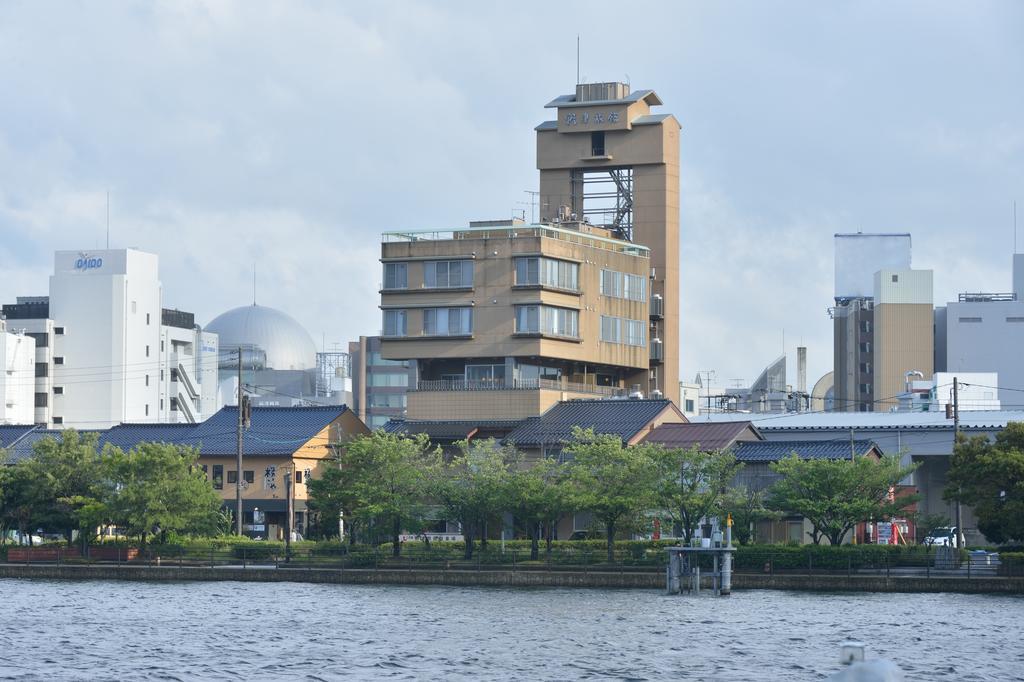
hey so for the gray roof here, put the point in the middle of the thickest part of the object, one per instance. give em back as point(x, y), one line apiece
point(18, 440)
point(974, 419)
point(708, 435)
point(635, 96)
point(624, 418)
point(548, 125)
point(451, 431)
point(649, 119)
point(773, 451)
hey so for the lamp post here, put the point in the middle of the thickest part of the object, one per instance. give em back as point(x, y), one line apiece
point(288, 517)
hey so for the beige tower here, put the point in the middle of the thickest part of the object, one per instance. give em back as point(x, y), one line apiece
point(609, 161)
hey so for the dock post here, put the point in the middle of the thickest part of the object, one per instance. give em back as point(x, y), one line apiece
point(727, 558)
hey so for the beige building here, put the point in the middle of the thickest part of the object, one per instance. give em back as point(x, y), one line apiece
point(503, 319)
point(904, 332)
point(610, 161)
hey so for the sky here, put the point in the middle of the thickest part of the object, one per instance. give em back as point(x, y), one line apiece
point(286, 136)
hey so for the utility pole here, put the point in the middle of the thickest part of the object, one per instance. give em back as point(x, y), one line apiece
point(238, 452)
point(956, 438)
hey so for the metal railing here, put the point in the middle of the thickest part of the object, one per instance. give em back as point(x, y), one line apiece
point(517, 385)
point(519, 232)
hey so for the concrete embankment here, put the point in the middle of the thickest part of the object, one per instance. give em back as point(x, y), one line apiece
point(502, 578)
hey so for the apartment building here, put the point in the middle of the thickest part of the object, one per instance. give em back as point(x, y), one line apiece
point(17, 380)
point(503, 319)
point(378, 384)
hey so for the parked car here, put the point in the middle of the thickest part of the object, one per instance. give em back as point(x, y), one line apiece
point(942, 537)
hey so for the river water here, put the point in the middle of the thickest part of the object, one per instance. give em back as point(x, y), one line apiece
point(56, 630)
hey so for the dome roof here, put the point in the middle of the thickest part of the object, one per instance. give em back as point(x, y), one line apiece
point(286, 344)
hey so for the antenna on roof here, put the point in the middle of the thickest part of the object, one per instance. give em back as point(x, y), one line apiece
point(254, 283)
point(577, 59)
point(108, 223)
point(1015, 226)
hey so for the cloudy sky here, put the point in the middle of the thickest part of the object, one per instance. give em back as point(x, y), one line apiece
point(290, 134)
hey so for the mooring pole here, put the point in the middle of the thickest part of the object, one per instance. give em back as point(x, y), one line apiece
point(727, 557)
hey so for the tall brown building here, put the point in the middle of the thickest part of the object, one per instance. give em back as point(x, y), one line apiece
point(502, 319)
point(608, 160)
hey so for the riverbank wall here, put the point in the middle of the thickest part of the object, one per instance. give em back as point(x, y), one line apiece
point(503, 578)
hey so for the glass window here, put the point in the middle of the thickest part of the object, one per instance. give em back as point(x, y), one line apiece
point(542, 319)
point(447, 321)
point(249, 476)
point(486, 374)
point(622, 285)
point(611, 329)
point(388, 400)
point(547, 271)
point(447, 274)
point(376, 360)
point(232, 477)
point(218, 476)
point(635, 287)
point(396, 276)
point(393, 380)
point(636, 333)
point(527, 270)
point(394, 323)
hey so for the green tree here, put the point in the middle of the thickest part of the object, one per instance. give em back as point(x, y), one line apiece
point(747, 506)
point(616, 483)
point(69, 475)
point(387, 480)
point(835, 495)
point(157, 488)
point(989, 477)
point(692, 484)
point(22, 499)
point(475, 486)
point(332, 498)
point(539, 497)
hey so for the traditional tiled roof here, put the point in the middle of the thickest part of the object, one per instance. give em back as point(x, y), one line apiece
point(274, 431)
point(18, 440)
point(708, 435)
point(624, 418)
point(773, 451)
point(450, 431)
point(823, 421)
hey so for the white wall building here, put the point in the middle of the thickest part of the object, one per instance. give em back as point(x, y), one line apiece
point(976, 391)
point(984, 332)
point(17, 381)
point(105, 352)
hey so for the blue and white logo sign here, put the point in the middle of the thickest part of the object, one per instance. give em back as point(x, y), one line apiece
point(87, 262)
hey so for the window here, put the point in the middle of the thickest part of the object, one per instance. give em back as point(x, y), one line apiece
point(865, 347)
point(249, 476)
point(147, 380)
point(232, 476)
point(865, 368)
point(388, 400)
point(611, 329)
point(865, 388)
point(147, 319)
point(394, 323)
point(42, 369)
point(547, 272)
point(218, 476)
point(542, 319)
point(42, 400)
point(1015, 319)
point(58, 360)
point(486, 374)
point(447, 321)
point(147, 350)
point(59, 331)
point(161, 375)
point(623, 285)
point(58, 390)
point(174, 404)
point(161, 345)
point(688, 405)
point(147, 409)
point(597, 143)
point(447, 274)
point(298, 476)
point(396, 276)
point(973, 320)
point(865, 326)
point(389, 380)
point(374, 359)
point(895, 278)
point(58, 420)
point(636, 333)
point(205, 471)
point(42, 340)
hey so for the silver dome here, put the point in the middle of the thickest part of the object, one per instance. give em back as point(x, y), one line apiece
point(286, 344)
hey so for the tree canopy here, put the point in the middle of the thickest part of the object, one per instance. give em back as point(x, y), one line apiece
point(835, 495)
point(693, 484)
point(989, 476)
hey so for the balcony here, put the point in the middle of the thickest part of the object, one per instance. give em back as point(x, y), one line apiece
point(460, 399)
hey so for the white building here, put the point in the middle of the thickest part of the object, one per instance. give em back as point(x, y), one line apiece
point(976, 391)
point(984, 332)
point(107, 351)
point(17, 381)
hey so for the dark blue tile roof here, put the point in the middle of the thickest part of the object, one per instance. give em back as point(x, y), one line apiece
point(773, 451)
point(18, 441)
point(624, 418)
point(273, 431)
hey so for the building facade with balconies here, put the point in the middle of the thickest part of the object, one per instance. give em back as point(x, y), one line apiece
point(503, 319)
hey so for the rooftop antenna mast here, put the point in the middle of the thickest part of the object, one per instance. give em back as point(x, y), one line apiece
point(577, 59)
point(108, 223)
point(1015, 226)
